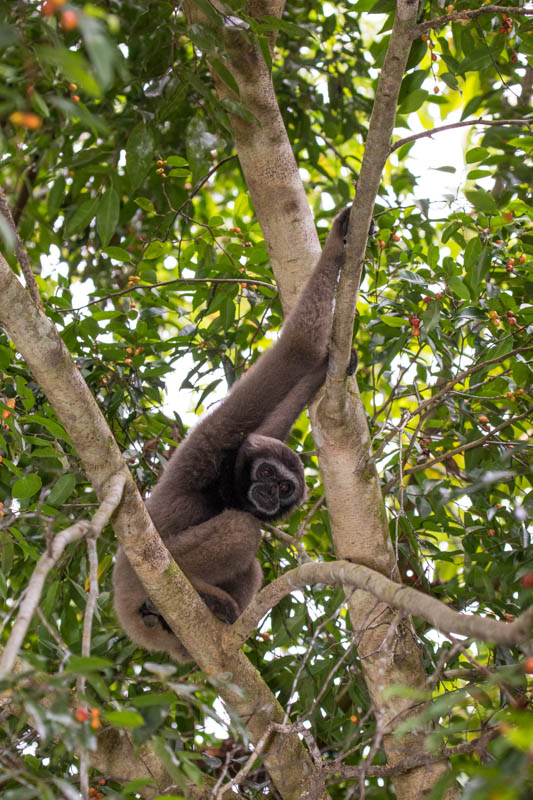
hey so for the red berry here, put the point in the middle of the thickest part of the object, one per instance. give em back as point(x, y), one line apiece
point(528, 665)
point(527, 580)
point(414, 321)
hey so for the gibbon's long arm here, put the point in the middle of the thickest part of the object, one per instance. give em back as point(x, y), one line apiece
point(273, 393)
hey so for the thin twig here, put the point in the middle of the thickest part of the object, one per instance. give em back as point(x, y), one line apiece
point(469, 445)
point(527, 122)
point(440, 22)
point(168, 283)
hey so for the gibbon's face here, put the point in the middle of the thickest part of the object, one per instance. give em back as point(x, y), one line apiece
point(273, 488)
point(269, 478)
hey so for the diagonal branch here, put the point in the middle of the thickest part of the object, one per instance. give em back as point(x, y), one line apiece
point(20, 252)
point(49, 559)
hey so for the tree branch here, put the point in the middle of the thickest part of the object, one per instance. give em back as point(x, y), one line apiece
point(49, 559)
point(20, 252)
point(405, 598)
point(416, 760)
point(528, 122)
point(468, 446)
point(439, 22)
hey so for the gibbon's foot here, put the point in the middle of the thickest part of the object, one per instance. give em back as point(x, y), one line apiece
point(151, 616)
point(223, 611)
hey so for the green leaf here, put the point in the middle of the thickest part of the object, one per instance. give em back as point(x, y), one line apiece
point(224, 73)
point(53, 427)
point(124, 719)
point(81, 217)
point(73, 65)
point(458, 287)
point(431, 316)
point(483, 201)
point(88, 664)
point(392, 322)
point(107, 215)
point(26, 486)
point(63, 488)
point(139, 154)
point(472, 252)
point(177, 161)
point(154, 250)
point(117, 253)
point(56, 195)
point(476, 154)
point(413, 101)
point(145, 204)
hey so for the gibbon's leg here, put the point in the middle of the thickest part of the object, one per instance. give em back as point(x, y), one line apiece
point(245, 585)
point(138, 615)
point(208, 554)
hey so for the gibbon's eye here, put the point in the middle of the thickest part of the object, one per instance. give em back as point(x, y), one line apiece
point(285, 488)
point(264, 472)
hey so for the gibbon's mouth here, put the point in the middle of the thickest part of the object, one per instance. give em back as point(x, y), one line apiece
point(265, 496)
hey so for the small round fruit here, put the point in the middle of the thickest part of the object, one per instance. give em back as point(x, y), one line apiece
point(527, 580)
point(528, 665)
point(483, 419)
point(69, 20)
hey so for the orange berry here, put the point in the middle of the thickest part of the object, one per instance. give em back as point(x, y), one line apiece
point(396, 237)
point(69, 20)
point(81, 714)
point(522, 259)
point(512, 321)
point(508, 216)
point(436, 90)
point(510, 618)
point(416, 330)
point(380, 243)
point(75, 98)
point(128, 361)
point(424, 37)
point(491, 532)
point(483, 418)
point(433, 56)
point(438, 296)
point(354, 718)
point(26, 119)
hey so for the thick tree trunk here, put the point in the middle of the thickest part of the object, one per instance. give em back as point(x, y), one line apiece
point(389, 655)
